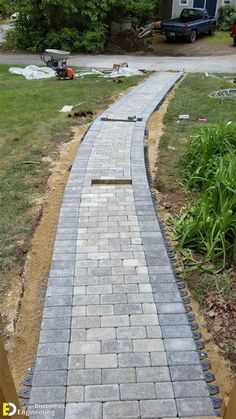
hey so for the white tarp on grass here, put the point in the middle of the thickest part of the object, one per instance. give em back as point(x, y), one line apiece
point(122, 72)
point(33, 72)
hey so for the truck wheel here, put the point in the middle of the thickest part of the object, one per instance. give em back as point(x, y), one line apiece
point(235, 42)
point(193, 37)
point(212, 31)
point(168, 38)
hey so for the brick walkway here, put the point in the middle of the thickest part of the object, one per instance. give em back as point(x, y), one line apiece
point(115, 341)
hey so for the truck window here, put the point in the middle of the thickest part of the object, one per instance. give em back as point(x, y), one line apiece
point(189, 15)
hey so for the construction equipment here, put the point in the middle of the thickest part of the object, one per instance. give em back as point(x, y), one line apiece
point(57, 60)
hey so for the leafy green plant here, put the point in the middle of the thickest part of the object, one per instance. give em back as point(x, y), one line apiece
point(210, 225)
point(227, 16)
point(203, 151)
point(74, 25)
point(92, 40)
point(65, 39)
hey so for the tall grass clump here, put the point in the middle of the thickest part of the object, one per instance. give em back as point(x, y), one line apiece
point(210, 168)
point(203, 151)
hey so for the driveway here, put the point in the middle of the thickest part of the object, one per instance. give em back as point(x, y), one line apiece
point(203, 47)
point(218, 64)
point(3, 30)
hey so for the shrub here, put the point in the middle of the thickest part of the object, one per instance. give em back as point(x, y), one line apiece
point(74, 25)
point(203, 151)
point(66, 39)
point(210, 225)
point(92, 40)
point(227, 16)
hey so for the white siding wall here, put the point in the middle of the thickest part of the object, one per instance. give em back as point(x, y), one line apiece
point(177, 8)
point(221, 3)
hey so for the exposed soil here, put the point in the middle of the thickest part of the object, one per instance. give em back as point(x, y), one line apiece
point(221, 319)
point(212, 337)
point(129, 42)
point(125, 41)
point(24, 303)
point(155, 130)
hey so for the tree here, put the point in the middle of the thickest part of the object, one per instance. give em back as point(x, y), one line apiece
point(6, 7)
point(80, 25)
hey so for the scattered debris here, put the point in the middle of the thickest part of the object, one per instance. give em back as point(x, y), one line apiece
point(68, 108)
point(202, 120)
point(117, 81)
point(81, 114)
point(150, 29)
point(121, 71)
point(91, 72)
point(224, 94)
point(30, 162)
point(213, 76)
point(124, 72)
point(184, 117)
point(128, 119)
point(33, 72)
point(120, 65)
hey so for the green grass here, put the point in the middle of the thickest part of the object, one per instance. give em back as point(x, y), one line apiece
point(192, 97)
point(30, 127)
point(202, 285)
point(219, 39)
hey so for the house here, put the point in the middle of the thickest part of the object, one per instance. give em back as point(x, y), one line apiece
point(173, 8)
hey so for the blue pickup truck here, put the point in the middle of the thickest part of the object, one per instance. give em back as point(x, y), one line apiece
point(191, 23)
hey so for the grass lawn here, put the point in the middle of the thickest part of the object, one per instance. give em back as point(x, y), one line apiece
point(213, 291)
point(31, 129)
point(219, 39)
point(192, 97)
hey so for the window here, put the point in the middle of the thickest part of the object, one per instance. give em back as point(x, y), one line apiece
point(183, 2)
point(226, 2)
point(189, 15)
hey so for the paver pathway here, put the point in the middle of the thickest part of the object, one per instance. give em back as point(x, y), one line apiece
point(115, 341)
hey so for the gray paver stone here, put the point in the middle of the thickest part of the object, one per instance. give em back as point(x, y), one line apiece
point(121, 410)
point(140, 391)
point(84, 411)
point(192, 406)
point(107, 392)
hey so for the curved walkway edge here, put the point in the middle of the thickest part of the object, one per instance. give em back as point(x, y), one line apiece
point(115, 340)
